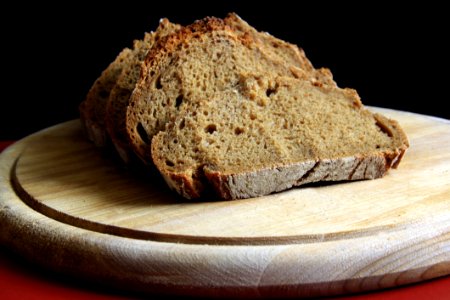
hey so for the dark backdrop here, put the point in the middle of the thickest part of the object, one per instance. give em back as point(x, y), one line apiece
point(395, 57)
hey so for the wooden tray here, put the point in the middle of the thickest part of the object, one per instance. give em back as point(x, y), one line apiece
point(69, 207)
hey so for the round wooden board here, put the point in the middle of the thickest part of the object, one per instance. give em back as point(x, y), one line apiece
point(68, 206)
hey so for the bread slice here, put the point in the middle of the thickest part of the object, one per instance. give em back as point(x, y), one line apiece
point(92, 109)
point(269, 133)
point(120, 94)
point(200, 60)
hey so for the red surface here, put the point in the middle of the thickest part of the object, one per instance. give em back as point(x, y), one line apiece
point(22, 280)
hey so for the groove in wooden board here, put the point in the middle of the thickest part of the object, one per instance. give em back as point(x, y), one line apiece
point(66, 177)
point(413, 245)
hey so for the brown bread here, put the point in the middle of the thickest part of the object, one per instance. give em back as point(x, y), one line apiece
point(218, 106)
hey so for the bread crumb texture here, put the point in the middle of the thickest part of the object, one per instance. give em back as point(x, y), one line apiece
point(219, 106)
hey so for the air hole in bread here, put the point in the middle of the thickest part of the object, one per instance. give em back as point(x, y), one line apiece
point(270, 91)
point(169, 163)
point(384, 128)
point(182, 124)
point(238, 130)
point(158, 84)
point(211, 128)
point(142, 133)
point(178, 101)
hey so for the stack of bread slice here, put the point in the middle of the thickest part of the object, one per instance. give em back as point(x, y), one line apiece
point(219, 107)
point(103, 112)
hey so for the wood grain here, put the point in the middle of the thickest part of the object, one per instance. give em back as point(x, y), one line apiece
point(61, 196)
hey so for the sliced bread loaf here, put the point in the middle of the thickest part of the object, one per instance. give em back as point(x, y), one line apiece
point(92, 109)
point(120, 94)
point(270, 133)
point(221, 107)
point(200, 60)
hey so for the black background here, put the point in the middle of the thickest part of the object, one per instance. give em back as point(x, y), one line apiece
point(395, 57)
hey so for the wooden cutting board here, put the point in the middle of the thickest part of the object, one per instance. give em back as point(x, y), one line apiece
point(69, 207)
